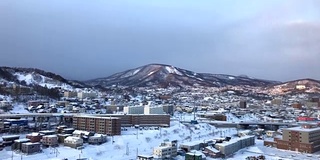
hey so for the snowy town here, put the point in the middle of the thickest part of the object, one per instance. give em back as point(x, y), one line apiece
point(221, 125)
point(159, 80)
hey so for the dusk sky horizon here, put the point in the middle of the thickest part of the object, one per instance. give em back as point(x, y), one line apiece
point(82, 40)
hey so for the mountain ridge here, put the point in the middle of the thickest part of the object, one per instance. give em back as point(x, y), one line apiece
point(155, 75)
point(151, 74)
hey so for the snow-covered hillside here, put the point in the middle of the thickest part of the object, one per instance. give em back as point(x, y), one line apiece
point(37, 79)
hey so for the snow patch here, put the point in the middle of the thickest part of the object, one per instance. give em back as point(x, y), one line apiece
point(151, 73)
point(173, 70)
point(231, 77)
point(28, 78)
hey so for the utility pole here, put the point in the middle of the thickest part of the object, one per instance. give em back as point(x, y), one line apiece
point(137, 152)
point(127, 149)
point(138, 132)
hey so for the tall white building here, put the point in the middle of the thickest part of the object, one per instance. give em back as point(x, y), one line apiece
point(153, 110)
point(83, 95)
point(133, 110)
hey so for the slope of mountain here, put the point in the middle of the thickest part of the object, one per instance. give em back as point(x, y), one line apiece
point(160, 75)
point(31, 77)
point(296, 86)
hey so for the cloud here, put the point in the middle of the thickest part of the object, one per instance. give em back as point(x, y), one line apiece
point(82, 40)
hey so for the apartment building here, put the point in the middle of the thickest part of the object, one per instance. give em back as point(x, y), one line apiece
point(153, 110)
point(305, 138)
point(129, 120)
point(133, 110)
point(110, 124)
point(166, 150)
point(70, 94)
point(83, 95)
point(102, 125)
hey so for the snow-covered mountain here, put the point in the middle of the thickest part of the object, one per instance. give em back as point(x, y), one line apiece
point(31, 77)
point(296, 86)
point(160, 75)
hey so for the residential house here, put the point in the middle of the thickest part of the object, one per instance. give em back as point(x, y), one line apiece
point(73, 142)
point(30, 148)
point(62, 137)
point(34, 137)
point(18, 143)
point(97, 139)
point(9, 140)
point(50, 140)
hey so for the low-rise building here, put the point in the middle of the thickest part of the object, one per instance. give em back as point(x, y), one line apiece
point(144, 157)
point(17, 144)
point(232, 146)
point(195, 155)
point(97, 139)
point(73, 142)
point(62, 137)
point(211, 152)
point(9, 140)
point(30, 147)
point(50, 140)
point(166, 150)
point(34, 137)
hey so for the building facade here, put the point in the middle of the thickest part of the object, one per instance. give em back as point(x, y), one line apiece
point(166, 150)
point(305, 138)
point(234, 145)
point(73, 142)
point(153, 110)
point(133, 110)
point(110, 124)
point(102, 125)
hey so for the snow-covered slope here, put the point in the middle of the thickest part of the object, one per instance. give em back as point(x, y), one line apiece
point(32, 77)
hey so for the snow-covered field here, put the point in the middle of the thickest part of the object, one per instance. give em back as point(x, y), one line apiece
point(142, 143)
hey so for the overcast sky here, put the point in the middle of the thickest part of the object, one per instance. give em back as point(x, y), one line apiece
point(85, 39)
